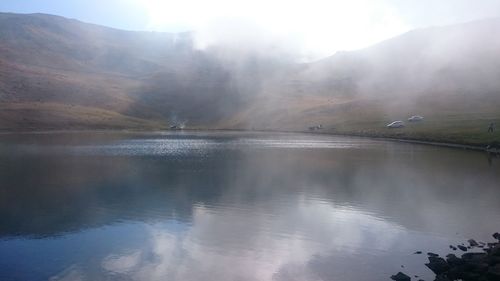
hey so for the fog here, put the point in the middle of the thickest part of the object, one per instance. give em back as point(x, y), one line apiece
point(176, 194)
point(314, 28)
point(262, 65)
point(322, 27)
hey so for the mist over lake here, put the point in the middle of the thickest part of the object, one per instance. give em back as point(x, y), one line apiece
point(236, 140)
point(234, 206)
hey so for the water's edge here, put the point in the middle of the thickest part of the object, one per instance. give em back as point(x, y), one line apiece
point(394, 139)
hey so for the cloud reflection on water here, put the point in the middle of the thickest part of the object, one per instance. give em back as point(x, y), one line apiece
point(237, 209)
point(233, 245)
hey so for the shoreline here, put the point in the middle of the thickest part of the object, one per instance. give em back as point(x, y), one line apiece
point(479, 261)
point(369, 136)
point(366, 136)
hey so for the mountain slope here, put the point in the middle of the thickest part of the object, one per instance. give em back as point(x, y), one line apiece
point(57, 73)
point(448, 74)
point(141, 75)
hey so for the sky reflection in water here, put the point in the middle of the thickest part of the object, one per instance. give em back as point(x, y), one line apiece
point(234, 206)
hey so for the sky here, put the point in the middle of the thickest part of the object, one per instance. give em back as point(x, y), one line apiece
point(313, 27)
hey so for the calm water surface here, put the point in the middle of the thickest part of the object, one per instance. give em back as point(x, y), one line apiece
point(235, 206)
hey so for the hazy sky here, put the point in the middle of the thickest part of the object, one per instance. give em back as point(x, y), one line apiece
point(319, 27)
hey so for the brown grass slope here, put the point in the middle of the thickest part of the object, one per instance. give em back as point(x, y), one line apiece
point(57, 73)
point(447, 74)
point(143, 76)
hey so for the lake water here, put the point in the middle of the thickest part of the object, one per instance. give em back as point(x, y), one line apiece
point(235, 206)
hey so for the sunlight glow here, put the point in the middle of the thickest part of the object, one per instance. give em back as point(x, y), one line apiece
point(322, 26)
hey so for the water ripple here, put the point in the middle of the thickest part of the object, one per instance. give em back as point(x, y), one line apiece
point(179, 146)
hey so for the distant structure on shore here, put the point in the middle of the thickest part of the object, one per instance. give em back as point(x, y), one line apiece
point(178, 126)
point(317, 127)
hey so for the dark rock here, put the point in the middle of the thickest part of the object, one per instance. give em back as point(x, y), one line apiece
point(400, 277)
point(494, 273)
point(442, 277)
point(470, 276)
point(493, 260)
point(493, 248)
point(472, 243)
point(417, 253)
point(437, 265)
point(479, 267)
point(495, 251)
point(474, 267)
point(496, 235)
point(456, 273)
point(474, 256)
point(454, 260)
point(471, 266)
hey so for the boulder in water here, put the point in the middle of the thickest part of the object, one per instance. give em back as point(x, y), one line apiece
point(400, 277)
point(438, 265)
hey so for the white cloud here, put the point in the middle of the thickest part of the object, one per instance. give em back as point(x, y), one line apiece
point(321, 26)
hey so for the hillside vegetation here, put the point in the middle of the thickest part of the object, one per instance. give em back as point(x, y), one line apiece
point(58, 73)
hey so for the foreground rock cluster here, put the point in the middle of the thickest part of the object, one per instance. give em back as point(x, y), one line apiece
point(471, 266)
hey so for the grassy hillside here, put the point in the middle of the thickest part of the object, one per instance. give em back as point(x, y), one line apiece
point(149, 76)
point(447, 74)
point(448, 118)
point(57, 73)
point(46, 116)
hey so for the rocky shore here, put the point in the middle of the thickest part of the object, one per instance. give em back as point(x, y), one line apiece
point(482, 263)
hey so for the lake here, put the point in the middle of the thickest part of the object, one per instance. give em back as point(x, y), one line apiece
point(235, 206)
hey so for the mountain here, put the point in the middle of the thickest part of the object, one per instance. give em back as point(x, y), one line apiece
point(448, 74)
point(58, 73)
point(61, 73)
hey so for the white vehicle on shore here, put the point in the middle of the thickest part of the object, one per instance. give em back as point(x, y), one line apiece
point(396, 124)
point(415, 118)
